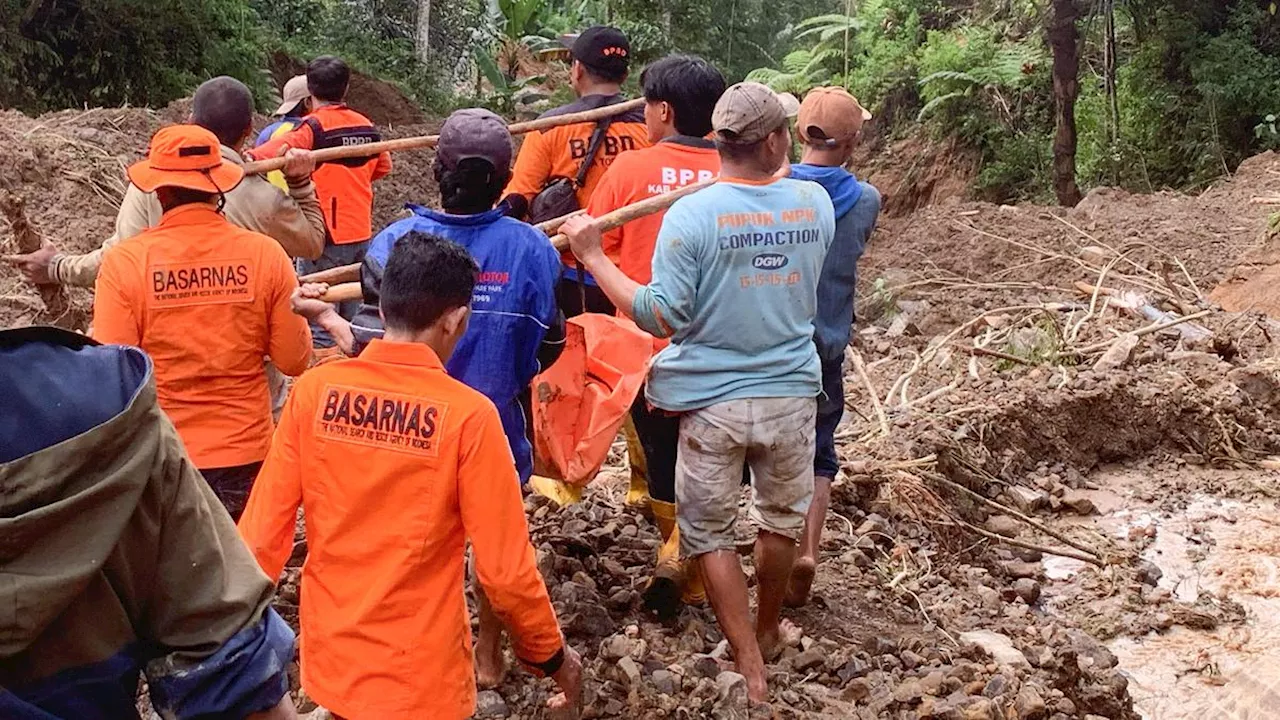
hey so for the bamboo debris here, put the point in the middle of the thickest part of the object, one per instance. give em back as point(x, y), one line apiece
point(351, 273)
point(427, 141)
point(617, 218)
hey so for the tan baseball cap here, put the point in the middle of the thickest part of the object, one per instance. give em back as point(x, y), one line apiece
point(748, 112)
point(295, 91)
point(829, 116)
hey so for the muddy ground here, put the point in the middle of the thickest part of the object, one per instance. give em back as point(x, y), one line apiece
point(1006, 417)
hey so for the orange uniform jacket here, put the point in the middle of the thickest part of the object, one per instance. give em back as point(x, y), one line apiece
point(669, 165)
point(207, 301)
point(345, 187)
point(396, 465)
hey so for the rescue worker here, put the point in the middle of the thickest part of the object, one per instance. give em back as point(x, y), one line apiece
point(345, 187)
point(294, 107)
point(680, 92)
point(735, 276)
point(223, 106)
point(207, 301)
point(829, 124)
point(552, 161)
point(516, 329)
point(396, 465)
point(117, 558)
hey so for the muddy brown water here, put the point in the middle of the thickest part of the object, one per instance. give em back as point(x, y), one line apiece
point(1211, 545)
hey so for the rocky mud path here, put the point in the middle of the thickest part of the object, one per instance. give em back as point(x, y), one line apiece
point(1058, 497)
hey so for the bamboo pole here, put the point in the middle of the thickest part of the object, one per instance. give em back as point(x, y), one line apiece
point(351, 273)
point(608, 221)
point(426, 141)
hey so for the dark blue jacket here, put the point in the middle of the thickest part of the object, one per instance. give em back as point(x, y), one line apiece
point(512, 309)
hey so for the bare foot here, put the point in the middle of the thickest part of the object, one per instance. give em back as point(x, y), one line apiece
point(773, 642)
point(567, 705)
point(800, 583)
point(491, 666)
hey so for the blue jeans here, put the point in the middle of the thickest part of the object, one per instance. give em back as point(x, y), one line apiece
point(830, 410)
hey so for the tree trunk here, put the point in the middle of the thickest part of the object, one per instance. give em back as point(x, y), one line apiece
point(1064, 42)
point(422, 36)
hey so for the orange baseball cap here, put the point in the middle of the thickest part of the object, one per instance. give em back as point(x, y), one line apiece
point(829, 116)
point(185, 156)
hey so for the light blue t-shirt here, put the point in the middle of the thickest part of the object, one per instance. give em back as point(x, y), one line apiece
point(735, 277)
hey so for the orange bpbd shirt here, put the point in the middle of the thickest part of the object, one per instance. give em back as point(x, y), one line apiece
point(344, 187)
point(207, 301)
point(670, 165)
point(635, 176)
point(560, 151)
point(396, 465)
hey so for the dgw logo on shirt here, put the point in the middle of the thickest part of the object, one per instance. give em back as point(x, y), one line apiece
point(769, 261)
point(381, 420)
point(204, 283)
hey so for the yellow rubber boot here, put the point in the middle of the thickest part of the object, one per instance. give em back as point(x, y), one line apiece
point(695, 591)
point(638, 490)
point(662, 594)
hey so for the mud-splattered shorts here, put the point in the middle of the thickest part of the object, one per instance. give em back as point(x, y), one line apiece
point(775, 437)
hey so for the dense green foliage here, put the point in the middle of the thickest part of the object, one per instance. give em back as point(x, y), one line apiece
point(116, 52)
point(1196, 80)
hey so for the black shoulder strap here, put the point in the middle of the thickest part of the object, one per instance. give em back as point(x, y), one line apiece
point(597, 139)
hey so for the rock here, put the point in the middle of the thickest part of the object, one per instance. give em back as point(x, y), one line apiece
point(1029, 704)
point(705, 666)
point(873, 525)
point(980, 709)
point(1078, 503)
point(1027, 589)
point(630, 672)
point(989, 597)
point(996, 686)
point(856, 667)
point(1019, 569)
point(881, 645)
point(998, 646)
point(1004, 525)
point(856, 691)
point(1090, 652)
point(591, 620)
point(945, 709)
point(1149, 573)
point(814, 657)
point(665, 682)
point(1028, 500)
point(490, 704)
point(615, 647)
point(910, 660)
point(909, 692)
point(931, 684)
point(1117, 356)
point(731, 689)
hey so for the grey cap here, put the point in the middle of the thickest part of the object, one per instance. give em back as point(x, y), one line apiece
point(474, 133)
point(748, 112)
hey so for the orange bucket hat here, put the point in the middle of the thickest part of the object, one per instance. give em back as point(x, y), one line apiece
point(185, 156)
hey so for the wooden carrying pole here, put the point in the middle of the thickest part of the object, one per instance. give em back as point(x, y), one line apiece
point(351, 273)
point(425, 141)
point(621, 216)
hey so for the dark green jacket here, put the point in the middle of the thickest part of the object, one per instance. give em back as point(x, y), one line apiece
point(115, 556)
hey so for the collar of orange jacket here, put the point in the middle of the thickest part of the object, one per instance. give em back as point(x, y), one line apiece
point(192, 214)
point(401, 353)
